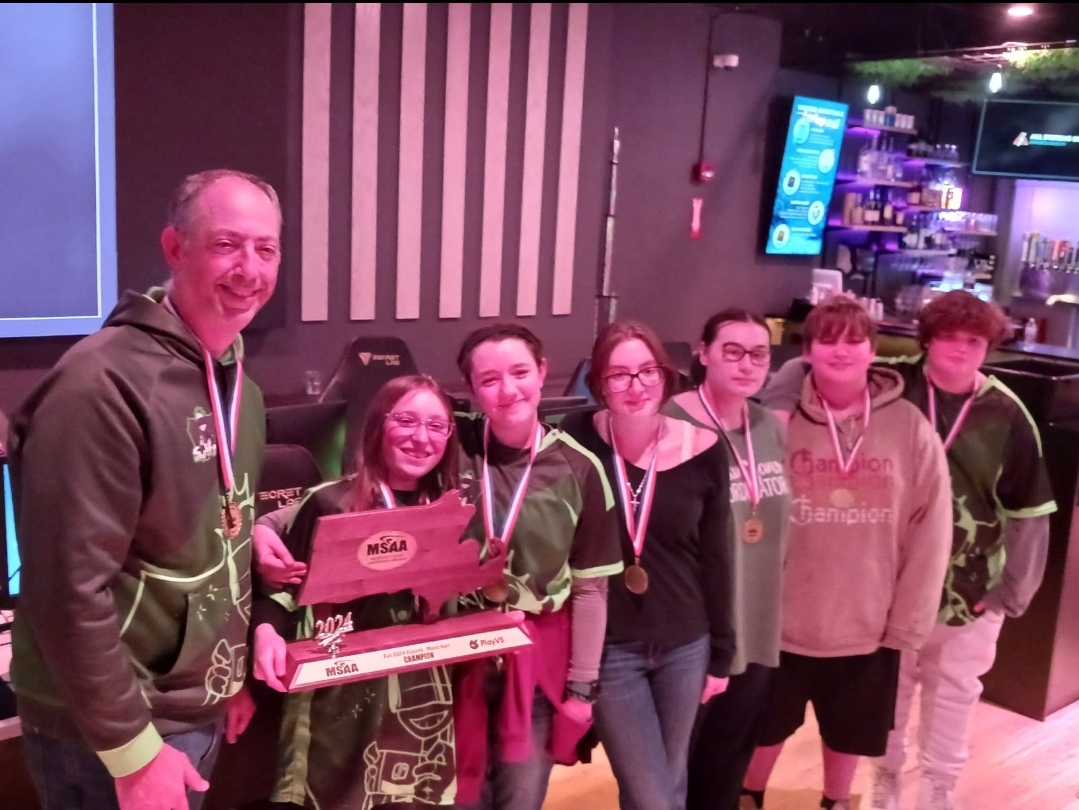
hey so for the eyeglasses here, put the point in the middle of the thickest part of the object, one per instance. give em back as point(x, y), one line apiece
point(621, 380)
point(410, 424)
point(734, 352)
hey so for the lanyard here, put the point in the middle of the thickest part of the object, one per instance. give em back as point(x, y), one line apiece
point(846, 465)
point(389, 501)
point(958, 420)
point(502, 538)
point(749, 469)
point(636, 518)
point(226, 432)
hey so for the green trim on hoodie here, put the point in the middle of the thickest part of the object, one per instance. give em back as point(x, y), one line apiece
point(134, 605)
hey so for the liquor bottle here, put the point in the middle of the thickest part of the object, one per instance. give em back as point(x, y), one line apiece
point(865, 160)
point(887, 217)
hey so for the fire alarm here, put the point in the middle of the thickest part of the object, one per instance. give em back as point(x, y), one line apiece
point(703, 172)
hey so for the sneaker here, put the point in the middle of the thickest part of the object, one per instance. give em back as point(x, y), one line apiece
point(934, 794)
point(885, 793)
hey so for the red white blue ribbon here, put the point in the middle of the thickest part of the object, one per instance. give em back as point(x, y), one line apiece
point(845, 465)
point(636, 522)
point(958, 419)
point(749, 469)
point(503, 537)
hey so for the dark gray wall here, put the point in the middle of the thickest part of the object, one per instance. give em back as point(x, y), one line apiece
point(209, 85)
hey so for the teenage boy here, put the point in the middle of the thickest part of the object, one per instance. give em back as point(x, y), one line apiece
point(868, 551)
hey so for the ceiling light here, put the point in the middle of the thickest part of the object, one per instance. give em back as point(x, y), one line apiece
point(996, 82)
point(873, 94)
point(1020, 11)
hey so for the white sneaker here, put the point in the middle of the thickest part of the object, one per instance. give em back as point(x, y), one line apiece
point(934, 794)
point(885, 793)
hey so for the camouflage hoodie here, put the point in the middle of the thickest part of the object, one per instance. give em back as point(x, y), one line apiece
point(132, 619)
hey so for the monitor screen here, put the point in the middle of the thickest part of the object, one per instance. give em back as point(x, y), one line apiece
point(1036, 139)
point(806, 176)
point(58, 187)
point(9, 550)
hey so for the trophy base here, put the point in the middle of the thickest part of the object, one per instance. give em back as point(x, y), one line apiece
point(404, 648)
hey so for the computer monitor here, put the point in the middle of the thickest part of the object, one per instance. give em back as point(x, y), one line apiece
point(9, 549)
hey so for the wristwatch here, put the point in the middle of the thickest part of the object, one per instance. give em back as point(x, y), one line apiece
point(584, 691)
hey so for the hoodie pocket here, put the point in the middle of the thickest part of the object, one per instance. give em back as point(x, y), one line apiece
point(213, 653)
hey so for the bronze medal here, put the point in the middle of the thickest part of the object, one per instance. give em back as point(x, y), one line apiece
point(497, 591)
point(842, 498)
point(231, 520)
point(636, 579)
point(752, 530)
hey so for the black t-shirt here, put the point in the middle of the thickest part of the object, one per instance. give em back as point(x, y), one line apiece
point(687, 553)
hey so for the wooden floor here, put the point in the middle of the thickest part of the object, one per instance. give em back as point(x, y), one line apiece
point(1015, 764)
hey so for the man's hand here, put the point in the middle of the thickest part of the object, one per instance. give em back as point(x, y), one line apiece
point(238, 714)
point(273, 562)
point(712, 687)
point(160, 784)
point(269, 656)
point(577, 710)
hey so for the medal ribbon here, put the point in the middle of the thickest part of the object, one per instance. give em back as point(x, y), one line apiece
point(749, 470)
point(845, 466)
point(958, 420)
point(518, 495)
point(226, 439)
point(636, 524)
point(387, 496)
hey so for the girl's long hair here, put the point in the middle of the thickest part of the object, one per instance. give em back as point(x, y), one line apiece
point(371, 469)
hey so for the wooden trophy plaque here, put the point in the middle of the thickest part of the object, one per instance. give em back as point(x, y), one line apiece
point(416, 548)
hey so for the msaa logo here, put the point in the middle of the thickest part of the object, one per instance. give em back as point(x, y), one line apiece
point(387, 550)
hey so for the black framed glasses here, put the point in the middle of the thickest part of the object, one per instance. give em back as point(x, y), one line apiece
point(734, 352)
point(621, 380)
point(411, 423)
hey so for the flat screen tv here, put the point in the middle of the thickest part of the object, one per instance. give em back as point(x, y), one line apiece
point(806, 177)
point(1035, 139)
point(9, 549)
point(58, 181)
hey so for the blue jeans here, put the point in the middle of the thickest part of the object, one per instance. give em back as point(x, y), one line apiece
point(647, 705)
point(67, 775)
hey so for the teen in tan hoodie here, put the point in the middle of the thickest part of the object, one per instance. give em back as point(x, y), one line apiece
point(869, 545)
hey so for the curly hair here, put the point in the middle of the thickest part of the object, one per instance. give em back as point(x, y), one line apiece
point(960, 311)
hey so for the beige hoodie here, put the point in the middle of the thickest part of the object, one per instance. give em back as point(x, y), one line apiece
point(868, 551)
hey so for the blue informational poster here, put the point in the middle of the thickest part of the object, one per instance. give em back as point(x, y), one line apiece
point(806, 176)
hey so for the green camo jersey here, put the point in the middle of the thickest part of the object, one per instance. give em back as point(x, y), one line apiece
point(998, 472)
point(567, 526)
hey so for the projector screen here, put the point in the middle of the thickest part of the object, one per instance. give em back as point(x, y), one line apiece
point(57, 147)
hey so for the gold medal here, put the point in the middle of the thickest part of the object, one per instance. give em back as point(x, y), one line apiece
point(752, 530)
point(842, 498)
point(231, 520)
point(636, 579)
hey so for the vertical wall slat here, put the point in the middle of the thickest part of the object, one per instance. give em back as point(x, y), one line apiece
point(454, 150)
point(315, 148)
point(569, 160)
point(494, 169)
point(539, 50)
point(365, 94)
point(410, 166)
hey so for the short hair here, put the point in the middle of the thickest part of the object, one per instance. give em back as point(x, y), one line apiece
point(830, 319)
point(610, 338)
point(371, 469)
point(697, 370)
point(181, 208)
point(959, 310)
point(496, 332)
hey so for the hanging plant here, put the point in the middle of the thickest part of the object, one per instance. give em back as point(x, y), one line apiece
point(900, 72)
point(1045, 65)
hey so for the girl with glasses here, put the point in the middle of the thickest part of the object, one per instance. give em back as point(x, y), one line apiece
point(670, 639)
point(545, 500)
point(730, 367)
point(385, 740)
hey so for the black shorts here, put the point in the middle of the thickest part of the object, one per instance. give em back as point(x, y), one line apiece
point(853, 697)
